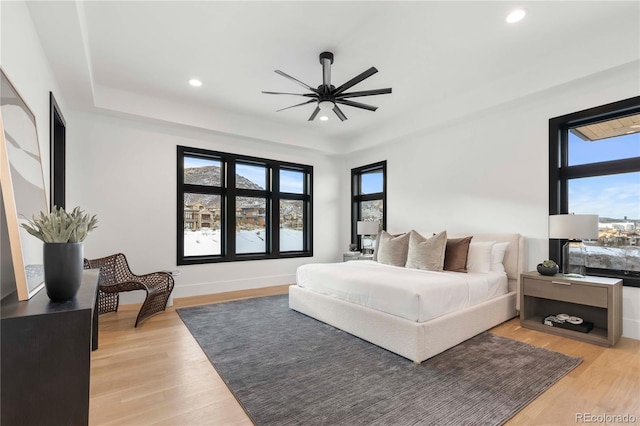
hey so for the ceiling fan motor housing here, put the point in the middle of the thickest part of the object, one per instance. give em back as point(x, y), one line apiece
point(326, 55)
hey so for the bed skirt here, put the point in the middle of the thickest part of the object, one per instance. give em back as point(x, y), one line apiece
point(413, 340)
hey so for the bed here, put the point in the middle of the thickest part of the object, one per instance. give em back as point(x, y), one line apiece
point(401, 321)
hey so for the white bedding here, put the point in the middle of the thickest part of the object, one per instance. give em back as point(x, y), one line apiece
point(416, 295)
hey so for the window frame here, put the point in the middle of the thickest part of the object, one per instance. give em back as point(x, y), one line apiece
point(560, 172)
point(357, 197)
point(228, 194)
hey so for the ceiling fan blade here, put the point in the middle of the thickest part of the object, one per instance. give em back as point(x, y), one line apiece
point(314, 113)
point(309, 95)
point(339, 113)
point(356, 104)
point(364, 93)
point(355, 80)
point(297, 105)
point(285, 75)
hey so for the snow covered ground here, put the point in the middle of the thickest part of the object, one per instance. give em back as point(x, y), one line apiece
point(621, 258)
point(203, 242)
point(207, 242)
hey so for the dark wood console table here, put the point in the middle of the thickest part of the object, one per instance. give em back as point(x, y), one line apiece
point(46, 357)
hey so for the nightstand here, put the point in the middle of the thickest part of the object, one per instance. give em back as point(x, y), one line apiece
point(356, 256)
point(594, 299)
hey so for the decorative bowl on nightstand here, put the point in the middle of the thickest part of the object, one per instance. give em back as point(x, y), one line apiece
point(548, 267)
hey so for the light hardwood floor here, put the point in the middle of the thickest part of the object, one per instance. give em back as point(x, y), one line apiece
point(157, 374)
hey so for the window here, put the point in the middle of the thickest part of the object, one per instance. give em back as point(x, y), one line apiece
point(233, 207)
point(594, 168)
point(369, 197)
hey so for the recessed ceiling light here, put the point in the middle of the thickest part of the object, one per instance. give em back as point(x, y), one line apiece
point(516, 15)
point(195, 83)
point(324, 118)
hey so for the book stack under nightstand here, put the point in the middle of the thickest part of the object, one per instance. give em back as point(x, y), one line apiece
point(595, 300)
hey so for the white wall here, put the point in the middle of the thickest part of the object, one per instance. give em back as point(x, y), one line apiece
point(125, 172)
point(27, 67)
point(25, 63)
point(489, 172)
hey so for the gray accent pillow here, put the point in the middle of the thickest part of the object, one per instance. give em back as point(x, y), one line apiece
point(392, 249)
point(426, 253)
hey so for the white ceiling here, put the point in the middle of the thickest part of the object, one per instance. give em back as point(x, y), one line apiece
point(442, 59)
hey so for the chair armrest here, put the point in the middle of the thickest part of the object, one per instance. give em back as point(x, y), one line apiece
point(117, 287)
point(156, 280)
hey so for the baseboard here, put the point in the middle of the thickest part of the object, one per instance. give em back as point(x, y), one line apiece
point(200, 289)
point(230, 296)
point(214, 288)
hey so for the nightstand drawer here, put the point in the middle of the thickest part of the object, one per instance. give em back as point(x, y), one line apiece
point(566, 291)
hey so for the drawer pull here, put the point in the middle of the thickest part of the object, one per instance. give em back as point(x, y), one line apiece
point(560, 282)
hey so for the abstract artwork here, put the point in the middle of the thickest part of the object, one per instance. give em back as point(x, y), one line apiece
point(23, 189)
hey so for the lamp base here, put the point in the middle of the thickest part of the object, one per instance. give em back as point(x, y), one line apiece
point(574, 259)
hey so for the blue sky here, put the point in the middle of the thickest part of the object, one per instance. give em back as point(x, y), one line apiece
point(614, 196)
point(190, 162)
point(371, 182)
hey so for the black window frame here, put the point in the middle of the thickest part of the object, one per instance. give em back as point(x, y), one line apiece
point(357, 197)
point(560, 172)
point(228, 193)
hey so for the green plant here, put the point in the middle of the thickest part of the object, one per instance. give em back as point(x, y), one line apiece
point(60, 226)
point(549, 264)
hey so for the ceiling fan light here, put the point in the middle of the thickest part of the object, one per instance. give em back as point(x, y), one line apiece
point(323, 118)
point(326, 105)
point(195, 82)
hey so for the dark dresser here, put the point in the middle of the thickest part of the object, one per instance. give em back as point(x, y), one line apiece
point(46, 357)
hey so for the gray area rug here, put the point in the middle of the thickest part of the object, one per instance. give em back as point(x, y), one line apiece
point(287, 369)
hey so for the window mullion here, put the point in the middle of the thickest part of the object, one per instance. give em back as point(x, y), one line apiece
point(230, 225)
point(627, 165)
point(274, 209)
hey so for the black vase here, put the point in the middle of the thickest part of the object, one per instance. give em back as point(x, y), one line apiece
point(63, 265)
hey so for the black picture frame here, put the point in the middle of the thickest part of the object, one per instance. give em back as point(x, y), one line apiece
point(58, 149)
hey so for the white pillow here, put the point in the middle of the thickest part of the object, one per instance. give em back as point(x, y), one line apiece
point(479, 257)
point(497, 256)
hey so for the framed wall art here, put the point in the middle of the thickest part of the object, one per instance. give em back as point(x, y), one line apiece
point(23, 189)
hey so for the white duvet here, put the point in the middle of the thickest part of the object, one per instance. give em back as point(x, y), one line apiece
point(413, 294)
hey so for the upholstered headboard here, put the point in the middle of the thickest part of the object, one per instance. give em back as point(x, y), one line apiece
point(515, 257)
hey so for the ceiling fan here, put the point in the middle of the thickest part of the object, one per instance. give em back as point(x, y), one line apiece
point(327, 96)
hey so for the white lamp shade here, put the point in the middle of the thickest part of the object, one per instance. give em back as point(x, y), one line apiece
point(367, 228)
point(573, 226)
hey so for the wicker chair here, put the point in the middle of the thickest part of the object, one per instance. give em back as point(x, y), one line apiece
point(115, 277)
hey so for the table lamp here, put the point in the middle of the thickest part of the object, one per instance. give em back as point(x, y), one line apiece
point(367, 228)
point(574, 228)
